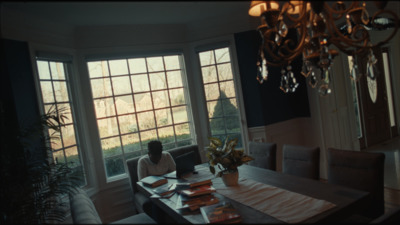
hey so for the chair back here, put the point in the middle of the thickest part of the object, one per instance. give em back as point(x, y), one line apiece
point(133, 175)
point(264, 154)
point(301, 161)
point(359, 170)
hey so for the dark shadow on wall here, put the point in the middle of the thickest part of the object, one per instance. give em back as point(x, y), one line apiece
point(265, 103)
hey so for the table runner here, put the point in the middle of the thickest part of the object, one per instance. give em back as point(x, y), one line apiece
point(279, 203)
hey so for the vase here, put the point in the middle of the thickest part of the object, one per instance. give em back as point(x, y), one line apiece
point(230, 178)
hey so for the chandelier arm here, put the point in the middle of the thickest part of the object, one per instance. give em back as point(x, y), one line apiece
point(293, 53)
point(335, 34)
point(266, 45)
point(303, 13)
point(331, 10)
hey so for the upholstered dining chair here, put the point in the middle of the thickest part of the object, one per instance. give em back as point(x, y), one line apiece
point(359, 170)
point(264, 154)
point(301, 161)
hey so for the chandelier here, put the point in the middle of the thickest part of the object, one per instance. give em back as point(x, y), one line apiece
point(317, 25)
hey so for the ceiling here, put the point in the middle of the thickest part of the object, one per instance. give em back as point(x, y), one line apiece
point(136, 12)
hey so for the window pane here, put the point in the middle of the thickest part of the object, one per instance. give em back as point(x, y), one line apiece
point(182, 131)
point(47, 91)
point(225, 72)
point(157, 81)
point(73, 156)
point(131, 143)
point(58, 156)
point(66, 109)
point(114, 166)
point(180, 114)
point(206, 58)
point(68, 134)
point(155, 64)
point(56, 144)
point(121, 85)
point(57, 71)
point(174, 79)
point(140, 83)
point(177, 96)
point(124, 104)
point(217, 126)
point(143, 102)
point(160, 99)
point(146, 120)
point(104, 107)
point(118, 67)
point(228, 88)
point(229, 106)
point(127, 124)
point(137, 65)
point(209, 74)
point(147, 136)
point(60, 90)
point(222, 55)
point(43, 68)
point(111, 146)
point(172, 62)
point(163, 117)
point(211, 107)
point(232, 124)
point(98, 69)
point(211, 91)
point(166, 135)
point(107, 127)
point(101, 87)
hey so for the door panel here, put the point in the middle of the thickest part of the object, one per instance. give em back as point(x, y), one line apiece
point(375, 112)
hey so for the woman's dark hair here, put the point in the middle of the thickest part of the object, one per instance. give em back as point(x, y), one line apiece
point(155, 147)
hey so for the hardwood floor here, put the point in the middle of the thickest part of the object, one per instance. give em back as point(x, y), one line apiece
point(392, 199)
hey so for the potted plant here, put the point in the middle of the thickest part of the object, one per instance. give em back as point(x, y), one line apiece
point(227, 158)
point(35, 192)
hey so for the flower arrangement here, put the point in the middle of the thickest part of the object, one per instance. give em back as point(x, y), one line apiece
point(225, 156)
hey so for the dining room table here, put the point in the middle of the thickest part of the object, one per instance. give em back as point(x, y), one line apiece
point(269, 197)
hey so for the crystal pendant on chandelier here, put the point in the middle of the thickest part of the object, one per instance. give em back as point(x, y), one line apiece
point(306, 69)
point(293, 85)
point(284, 82)
point(282, 29)
point(313, 80)
point(324, 88)
point(262, 70)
